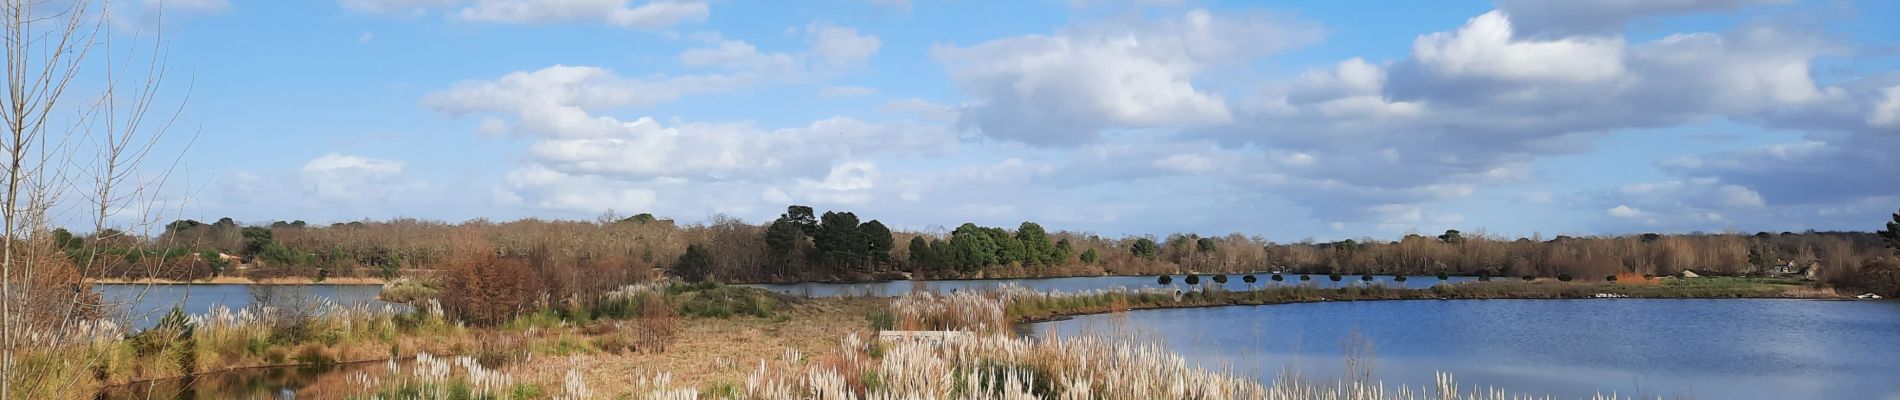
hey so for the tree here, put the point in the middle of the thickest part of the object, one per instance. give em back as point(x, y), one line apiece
point(838, 240)
point(1204, 245)
point(1037, 250)
point(783, 238)
point(1891, 235)
point(920, 252)
point(877, 241)
point(801, 217)
point(1089, 256)
point(1145, 248)
point(1452, 236)
point(974, 247)
point(1063, 250)
point(695, 265)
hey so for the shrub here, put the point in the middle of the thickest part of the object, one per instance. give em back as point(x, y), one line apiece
point(1333, 276)
point(1366, 277)
point(695, 265)
point(1250, 279)
point(1398, 278)
point(1305, 277)
point(1278, 278)
point(1165, 280)
point(490, 291)
point(1563, 277)
point(1193, 279)
point(1444, 276)
point(1611, 278)
point(1221, 279)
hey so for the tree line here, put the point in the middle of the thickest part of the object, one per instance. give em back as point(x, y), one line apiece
point(805, 245)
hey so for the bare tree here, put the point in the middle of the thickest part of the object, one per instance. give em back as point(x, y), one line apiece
point(58, 142)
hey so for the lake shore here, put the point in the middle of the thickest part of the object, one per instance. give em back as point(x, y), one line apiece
point(716, 352)
point(238, 280)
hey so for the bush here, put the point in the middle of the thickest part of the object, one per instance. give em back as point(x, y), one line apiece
point(1250, 279)
point(1444, 276)
point(1398, 278)
point(695, 265)
point(1563, 277)
point(1305, 277)
point(1611, 278)
point(1193, 279)
point(1278, 278)
point(1165, 280)
point(1334, 276)
point(1366, 277)
point(1220, 279)
point(488, 292)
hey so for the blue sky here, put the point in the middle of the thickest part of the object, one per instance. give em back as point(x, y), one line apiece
point(1284, 119)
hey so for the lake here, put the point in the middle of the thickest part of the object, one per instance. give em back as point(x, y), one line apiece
point(144, 304)
point(1708, 349)
point(1077, 284)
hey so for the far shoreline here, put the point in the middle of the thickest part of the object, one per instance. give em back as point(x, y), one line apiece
point(233, 280)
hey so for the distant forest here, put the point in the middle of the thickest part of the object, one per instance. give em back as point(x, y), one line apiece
point(803, 245)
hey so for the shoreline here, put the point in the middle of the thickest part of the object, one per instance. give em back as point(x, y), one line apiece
point(232, 280)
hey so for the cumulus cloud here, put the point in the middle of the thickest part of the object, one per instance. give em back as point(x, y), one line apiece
point(1477, 105)
point(648, 15)
point(1063, 89)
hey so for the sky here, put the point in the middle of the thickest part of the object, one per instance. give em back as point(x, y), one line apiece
point(1283, 119)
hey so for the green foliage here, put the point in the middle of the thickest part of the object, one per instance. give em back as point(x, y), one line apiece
point(1193, 279)
point(838, 240)
point(1366, 277)
point(1305, 277)
point(1891, 235)
point(921, 253)
point(212, 258)
point(1037, 249)
point(1252, 279)
point(695, 265)
point(1165, 280)
point(1398, 278)
point(876, 238)
point(1090, 257)
point(720, 301)
point(1204, 245)
point(1452, 236)
point(1444, 276)
point(1333, 276)
point(1145, 248)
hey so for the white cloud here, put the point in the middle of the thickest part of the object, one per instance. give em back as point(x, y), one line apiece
point(921, 108)
point(1062, 89)
point(1625, 211)
point(1486, 49)
point(840, 46)
point(351, 179)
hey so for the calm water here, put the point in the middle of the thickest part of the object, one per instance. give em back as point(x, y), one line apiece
point(899, 288)
point(1708, 349)
point(144, 304)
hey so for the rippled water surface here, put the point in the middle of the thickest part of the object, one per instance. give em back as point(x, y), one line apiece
point(1708, 349)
